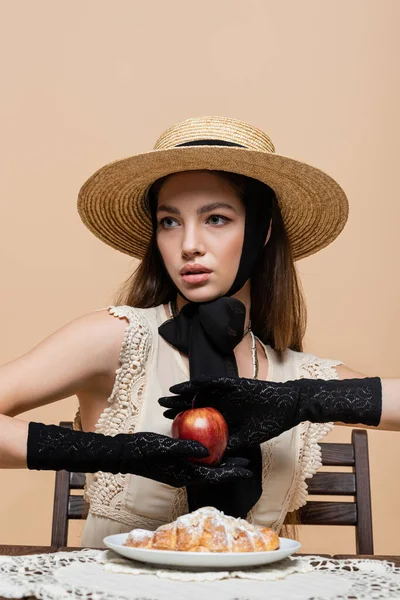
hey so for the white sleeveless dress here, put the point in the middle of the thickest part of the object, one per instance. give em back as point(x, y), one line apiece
point(149, 367)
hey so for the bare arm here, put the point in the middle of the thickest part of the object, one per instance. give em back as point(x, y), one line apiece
point(390, 419)
point(70, 361)
point(13, 440)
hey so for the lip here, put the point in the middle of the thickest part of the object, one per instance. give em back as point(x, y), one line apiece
point(196, 277)
point(194, 269)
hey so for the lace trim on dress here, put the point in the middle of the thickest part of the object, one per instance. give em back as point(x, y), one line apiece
point(309, 453)
point(104, 491)
point(180, 505)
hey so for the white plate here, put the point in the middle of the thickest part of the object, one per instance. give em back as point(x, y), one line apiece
point(174, 558)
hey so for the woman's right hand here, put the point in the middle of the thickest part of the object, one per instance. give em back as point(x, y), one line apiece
point(147, 454)
point(165, 460)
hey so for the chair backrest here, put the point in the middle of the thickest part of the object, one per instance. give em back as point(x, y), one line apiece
point(357, 484)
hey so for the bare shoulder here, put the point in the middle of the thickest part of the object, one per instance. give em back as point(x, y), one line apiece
point(102, 327)
point(345, 372)
point(98, 335)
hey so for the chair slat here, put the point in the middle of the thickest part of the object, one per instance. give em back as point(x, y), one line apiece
point(59, 530)
point(364, 541)
point(77, 507)
point(77, 481)
point(337, 455)
point(332, 484)
point(329, 513)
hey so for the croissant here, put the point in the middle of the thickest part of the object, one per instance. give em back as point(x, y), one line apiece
point(206, 530)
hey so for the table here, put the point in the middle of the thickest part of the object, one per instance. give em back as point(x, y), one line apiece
point(23, 550)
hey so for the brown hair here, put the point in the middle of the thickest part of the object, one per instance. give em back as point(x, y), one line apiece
point(278, 313)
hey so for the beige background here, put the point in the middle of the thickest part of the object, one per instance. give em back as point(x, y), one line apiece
point(85, 82)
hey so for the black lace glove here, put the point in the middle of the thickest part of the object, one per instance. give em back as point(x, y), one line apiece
point(148, 454)
point(257, 411)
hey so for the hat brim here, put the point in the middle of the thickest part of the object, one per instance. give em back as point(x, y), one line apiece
point(111, 203)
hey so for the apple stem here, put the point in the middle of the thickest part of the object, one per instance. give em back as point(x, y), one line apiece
point(194, 398)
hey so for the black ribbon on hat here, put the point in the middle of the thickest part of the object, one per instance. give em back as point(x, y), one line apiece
point(208, 332)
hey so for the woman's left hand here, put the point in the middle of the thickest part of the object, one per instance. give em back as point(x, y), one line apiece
point(248, 406)
point(222, 393)
point(258, 410)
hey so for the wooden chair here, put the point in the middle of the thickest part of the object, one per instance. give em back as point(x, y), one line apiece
point(357, 484)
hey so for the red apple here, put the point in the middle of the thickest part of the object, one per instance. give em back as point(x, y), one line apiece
point(205, 425)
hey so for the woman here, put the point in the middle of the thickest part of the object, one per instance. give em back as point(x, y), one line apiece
point(218, 219)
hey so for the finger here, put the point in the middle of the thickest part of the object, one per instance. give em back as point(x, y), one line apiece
point(181, 401)
point(202, 383)
point(221, 383)
point(236, 461)
point(171, 413)
point(225, 475)
point(187, 387)
point(188, 448)
point(184, 402)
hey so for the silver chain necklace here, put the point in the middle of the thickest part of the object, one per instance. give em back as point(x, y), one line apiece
point(174, 312)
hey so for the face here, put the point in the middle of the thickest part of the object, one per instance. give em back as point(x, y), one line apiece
point(200, 232)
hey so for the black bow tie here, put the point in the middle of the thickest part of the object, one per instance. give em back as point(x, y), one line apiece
point(208, 333)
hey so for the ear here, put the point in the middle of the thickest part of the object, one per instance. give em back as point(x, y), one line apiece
point(268, 234)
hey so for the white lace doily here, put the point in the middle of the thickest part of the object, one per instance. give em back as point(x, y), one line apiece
point(102, 575)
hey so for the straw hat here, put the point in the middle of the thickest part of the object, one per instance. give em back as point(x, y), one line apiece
point(112, 202)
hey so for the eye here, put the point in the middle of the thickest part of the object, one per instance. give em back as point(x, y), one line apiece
point(215, 218)
point(167, 222)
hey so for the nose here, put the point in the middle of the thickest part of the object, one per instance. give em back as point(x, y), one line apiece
point(192, 245)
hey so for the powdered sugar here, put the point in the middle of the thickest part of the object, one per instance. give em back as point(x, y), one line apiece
point(139, 536)
point(209, 529)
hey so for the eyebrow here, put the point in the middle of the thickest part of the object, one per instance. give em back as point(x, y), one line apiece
point(200, 211)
